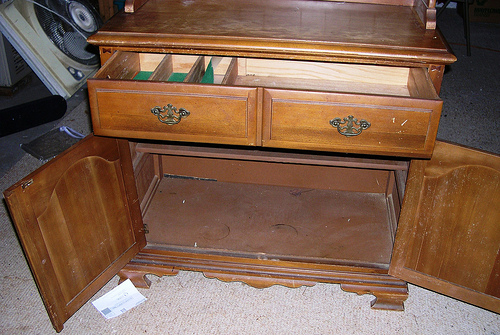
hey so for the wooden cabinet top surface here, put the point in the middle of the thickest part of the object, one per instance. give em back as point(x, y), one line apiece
point(297, 29)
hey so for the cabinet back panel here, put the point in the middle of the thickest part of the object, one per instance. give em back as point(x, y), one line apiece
point(278, 174)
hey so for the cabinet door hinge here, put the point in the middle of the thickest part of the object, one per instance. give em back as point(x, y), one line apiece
point(26, 183)
point(145, 229)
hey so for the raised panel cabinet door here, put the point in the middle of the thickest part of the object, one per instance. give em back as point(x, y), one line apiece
point(78, 221)
point(448, 237)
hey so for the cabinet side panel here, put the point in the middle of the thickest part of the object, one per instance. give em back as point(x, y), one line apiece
point(147, 176)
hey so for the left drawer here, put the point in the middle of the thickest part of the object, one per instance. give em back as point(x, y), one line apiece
point(170, 97)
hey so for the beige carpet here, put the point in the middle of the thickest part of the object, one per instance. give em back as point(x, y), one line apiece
point(191, 304)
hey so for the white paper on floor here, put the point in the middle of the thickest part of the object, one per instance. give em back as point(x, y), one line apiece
point(119, 300)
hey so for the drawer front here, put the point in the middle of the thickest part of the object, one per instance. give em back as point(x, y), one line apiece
point(394, 125)
point(125, 108)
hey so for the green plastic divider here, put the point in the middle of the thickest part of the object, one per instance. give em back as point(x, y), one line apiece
point(177, 77)
point(208, 77)
point(143, 75)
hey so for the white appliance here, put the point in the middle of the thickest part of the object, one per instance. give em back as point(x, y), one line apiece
point(13, 68)
point(51, 36)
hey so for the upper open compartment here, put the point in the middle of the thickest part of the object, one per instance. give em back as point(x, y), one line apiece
point(385, 32)
point(425, 9)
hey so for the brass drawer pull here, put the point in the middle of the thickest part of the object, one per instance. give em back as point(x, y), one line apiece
point(170, 118)
point(349, 122)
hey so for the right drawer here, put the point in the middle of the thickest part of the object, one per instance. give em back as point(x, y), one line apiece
point(369, 110)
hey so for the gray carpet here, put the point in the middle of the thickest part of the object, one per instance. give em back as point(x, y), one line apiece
point(191, 304)
point(471, 86)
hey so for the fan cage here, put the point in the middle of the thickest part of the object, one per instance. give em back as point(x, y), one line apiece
point(68, 24)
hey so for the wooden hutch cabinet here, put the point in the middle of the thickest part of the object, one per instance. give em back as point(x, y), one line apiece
point(268, 142)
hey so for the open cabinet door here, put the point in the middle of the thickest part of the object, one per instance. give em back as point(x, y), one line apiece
point(448, 236)
point(79, 222)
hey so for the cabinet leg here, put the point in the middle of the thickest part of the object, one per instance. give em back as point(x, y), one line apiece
point(389, 302)
point(386, 298)
point(137, 274)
